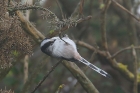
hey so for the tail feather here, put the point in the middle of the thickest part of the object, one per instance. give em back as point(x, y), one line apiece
point(100, 71)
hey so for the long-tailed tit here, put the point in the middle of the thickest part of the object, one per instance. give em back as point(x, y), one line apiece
point(67, 50)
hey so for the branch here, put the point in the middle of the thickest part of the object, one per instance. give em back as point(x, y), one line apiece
point(26, 65)
point(81, 77)
point(78, 10)
point(124, 49)
point(135, 84)
point(27, 7)
point(52, 69)
point(103, 24)
point(123, 8)
point(29, 28)
point(60, 8)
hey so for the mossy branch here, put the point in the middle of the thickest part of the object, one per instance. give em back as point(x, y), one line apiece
point(81, 77)
point(29, 28)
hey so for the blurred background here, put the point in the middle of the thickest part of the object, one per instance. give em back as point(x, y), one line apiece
point(122, 31)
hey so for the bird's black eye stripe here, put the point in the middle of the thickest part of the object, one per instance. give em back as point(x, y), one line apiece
point(45, 46)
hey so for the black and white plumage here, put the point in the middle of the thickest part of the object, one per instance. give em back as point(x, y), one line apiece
point(66, 49)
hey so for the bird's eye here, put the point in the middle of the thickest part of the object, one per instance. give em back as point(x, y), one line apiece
point(52, 42)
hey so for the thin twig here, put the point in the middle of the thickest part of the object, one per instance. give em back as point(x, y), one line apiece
point(87, 25)
point(135, 84)
point(78, 10)
point(85, 45)
point(26, 59)
point(123, 8)
point(60, 8)
point(124, 49)
point(103, 25)
point(52, 69)
point(27, 7)
point(81, 7)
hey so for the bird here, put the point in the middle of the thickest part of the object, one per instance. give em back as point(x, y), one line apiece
point(65, 48)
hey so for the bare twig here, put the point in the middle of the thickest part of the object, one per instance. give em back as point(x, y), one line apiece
point(29, 28)
point(60, 8)
point(79, 10)
point(103, 25)
point(27, 7)
point(52, 69)
point(124, 49)
point(135, 84)
point(85, 45)
point(85, 28)
point(81, 7)
point(26, 68)
point(28, 2)
point(123, 8)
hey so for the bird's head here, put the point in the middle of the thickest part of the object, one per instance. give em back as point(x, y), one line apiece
point(46, 43)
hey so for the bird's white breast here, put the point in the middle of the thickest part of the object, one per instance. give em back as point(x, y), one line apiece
point(62, 49)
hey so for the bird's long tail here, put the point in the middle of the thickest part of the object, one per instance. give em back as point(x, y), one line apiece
point(100, 71)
